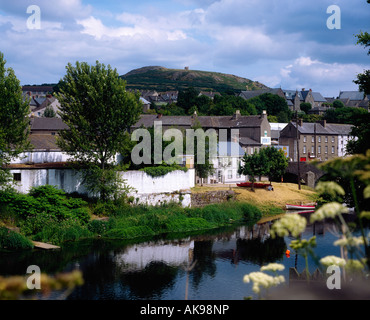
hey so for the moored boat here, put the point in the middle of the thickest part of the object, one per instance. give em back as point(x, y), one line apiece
point(299, 207)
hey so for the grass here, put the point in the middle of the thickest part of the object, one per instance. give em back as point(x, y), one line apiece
point(269, 202)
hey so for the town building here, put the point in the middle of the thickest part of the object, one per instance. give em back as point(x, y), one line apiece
point(316, 141)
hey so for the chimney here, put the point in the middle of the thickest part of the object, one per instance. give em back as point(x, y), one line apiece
point(159, 115)
point(194, 114)
point(300, 122)
point(236, 115)
point(323, 123)
point(264, 114)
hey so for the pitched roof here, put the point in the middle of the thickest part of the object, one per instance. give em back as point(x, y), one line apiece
point(147, 120)
point(47, 124)
point(342, 129)
point(351, 95)
point(43, 142)
point(246, 141)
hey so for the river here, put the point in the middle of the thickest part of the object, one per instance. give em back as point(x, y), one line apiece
point(210, 266)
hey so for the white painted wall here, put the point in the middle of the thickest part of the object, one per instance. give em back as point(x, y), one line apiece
point(148, 190)
point(41, 157)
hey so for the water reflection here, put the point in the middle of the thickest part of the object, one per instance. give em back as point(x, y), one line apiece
point(206, 266)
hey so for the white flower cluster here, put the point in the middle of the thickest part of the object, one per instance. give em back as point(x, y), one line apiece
point(273, 267)
point(328, 210)
point(329, 187)
point(263, 280)
point(293, 224)
point(349, 242)
point(333, 260)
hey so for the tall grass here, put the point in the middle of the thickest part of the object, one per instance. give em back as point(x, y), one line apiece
point(131, 222)
point(13, 241)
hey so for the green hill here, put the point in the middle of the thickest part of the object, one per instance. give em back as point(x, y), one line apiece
point(163, 79)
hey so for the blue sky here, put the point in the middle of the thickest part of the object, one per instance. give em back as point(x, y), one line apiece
point(281, 43)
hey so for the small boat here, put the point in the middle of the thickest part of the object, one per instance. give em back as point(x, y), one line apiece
point(299, 207)
point(249, 185)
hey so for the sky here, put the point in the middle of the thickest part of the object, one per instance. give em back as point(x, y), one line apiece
point(280, 43)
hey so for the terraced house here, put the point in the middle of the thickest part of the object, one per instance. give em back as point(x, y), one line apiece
point(316, 141)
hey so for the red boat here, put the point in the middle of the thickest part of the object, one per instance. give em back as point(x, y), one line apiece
point(249, 185)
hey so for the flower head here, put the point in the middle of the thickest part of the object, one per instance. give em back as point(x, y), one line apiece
point(273, 267)
point(332, 260)
point(328, 210)
point(289, 224)
point(263, 280)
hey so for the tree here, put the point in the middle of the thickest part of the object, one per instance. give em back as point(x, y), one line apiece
point(49, 113)
point(363, 79)
point(306, 106)
point(253, 165)
point(14, 123)
point(272, 103)
point(338, 104)
point(277, 162)
point(187, 98)
point(360, 130)
point(98, 111)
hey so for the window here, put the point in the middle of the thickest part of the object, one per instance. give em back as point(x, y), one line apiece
point(319, 139)
point(312, 149)
point(313, 139)
point(333, 139)
point(304, 138)
point(319, 149)
point(17, 176)
point(304, 149)
point(326, 149)
point(229, 174)
point(332, 149)
point(326, 138)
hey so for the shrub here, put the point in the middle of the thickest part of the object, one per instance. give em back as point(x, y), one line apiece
point(162, 170)
point(13, 240)
point(98, 226)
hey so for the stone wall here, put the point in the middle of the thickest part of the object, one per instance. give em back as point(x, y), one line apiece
point(205, 198)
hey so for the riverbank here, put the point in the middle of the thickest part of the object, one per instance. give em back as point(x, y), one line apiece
point(39, 217)
point(269, 202)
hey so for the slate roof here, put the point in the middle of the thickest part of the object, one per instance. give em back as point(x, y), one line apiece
point(47, 124)
point(351, 95)
point(147, 120)
point(330, 128)
point(246, 141)
point(43, 142)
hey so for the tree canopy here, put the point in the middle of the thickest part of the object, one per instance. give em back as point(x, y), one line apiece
point(14, 123)
point(98, 111)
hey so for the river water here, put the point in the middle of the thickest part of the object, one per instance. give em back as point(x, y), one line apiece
point(210, 266)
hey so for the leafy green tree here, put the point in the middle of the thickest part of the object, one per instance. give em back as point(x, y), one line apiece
point(254, 165)
point(272, 103)
point(98, 111)
point(187, 98)
point(338, 104)
point(49, 113)
point(361, 131)
point(363, 79)
point(278, 162)
point(14, 123)
point(306, 106)
point(347, 115)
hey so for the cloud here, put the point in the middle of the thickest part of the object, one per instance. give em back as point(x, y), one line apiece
point(281, 42)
